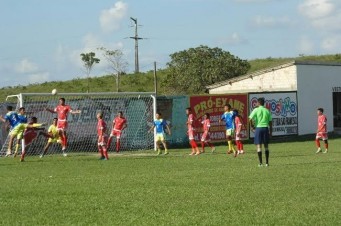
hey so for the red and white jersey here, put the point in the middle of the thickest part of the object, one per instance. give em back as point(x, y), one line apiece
point(62, 112)
point(239, 123)
point(206, 124)
point(101, 127)
point(118, 123)
point(189, 122)
point(322, 121)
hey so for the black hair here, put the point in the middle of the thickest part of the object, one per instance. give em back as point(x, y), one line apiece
point(228, 105)
point(158, 113)
point(62, 98)
point(9, 108)
point(22, 108)
point(320, 109)
point(34, 119)
point(189, 109)
point(261, 101)
point(207, 115)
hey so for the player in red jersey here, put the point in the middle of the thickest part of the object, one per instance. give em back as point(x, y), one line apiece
point(102, 137)
point(239, 125)
point(30, 134)
point(191, 133)
point(118, 125)
point(62, 111)
point(321, 132)
point(205, 138)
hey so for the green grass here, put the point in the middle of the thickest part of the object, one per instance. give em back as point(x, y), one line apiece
point(299, 188)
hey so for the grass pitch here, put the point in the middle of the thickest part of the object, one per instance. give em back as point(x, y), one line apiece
point(299, 188)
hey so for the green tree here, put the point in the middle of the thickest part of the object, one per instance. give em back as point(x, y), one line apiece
point(190, 71)
point(117, 63)
point(89, 60)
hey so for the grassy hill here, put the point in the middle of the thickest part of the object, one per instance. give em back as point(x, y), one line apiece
point(142, 82)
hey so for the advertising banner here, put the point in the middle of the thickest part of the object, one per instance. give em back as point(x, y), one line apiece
point(214, 105)
point(283, 107)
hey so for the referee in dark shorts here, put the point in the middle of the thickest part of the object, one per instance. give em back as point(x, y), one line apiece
point(261, 123)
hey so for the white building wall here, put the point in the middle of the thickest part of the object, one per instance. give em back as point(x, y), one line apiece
point(314, 89)
point(283, 79)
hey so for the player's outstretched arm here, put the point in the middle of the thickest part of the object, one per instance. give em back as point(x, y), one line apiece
point(151, 129)
point(168, 130)
point(50, 110)
point(2, 119)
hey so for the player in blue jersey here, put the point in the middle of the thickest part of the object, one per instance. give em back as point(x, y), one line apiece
point(160, 125)
point(13, 120)
point(228, 117)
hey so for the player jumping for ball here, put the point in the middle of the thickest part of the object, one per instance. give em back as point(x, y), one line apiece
point(62, 111)
point(321, 132)
point(30, 134)
point(118, 125)
point(13, 120)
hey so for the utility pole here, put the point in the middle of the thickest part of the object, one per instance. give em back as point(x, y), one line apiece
point(136, 38)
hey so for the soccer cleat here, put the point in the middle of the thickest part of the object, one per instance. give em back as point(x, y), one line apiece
point(101, 158)
point(241, 152)
point(235, 154)
point(22, 160)
point(8, 153)
point(325, 152)
point(64, 154)
point(166, 152)
point(213, 149)
point(318, 150)
point(15, 154)
point(260, 165)
point(41, 156)
point(267, 164)
point(158, 152)
point(198, 153)
point(192, 153)
point(229, 152)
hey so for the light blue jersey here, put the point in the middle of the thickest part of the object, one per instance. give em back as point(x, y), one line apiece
point(228, 117)
point(13, 118)
point(22, 118)
point(160, 125)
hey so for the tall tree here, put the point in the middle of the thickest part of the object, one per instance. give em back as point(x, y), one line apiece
point(190, 71)
point(117, 63)
point(89, 60)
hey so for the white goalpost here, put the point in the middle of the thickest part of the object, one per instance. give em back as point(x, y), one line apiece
point(138, 108)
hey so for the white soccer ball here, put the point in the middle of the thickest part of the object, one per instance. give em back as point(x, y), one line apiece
point(54, 92)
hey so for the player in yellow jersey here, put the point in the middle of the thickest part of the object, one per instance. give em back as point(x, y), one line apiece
point(54, 137)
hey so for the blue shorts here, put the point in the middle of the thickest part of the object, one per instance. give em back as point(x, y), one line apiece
point(262, 135)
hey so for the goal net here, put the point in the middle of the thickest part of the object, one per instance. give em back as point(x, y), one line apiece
point(138, 108)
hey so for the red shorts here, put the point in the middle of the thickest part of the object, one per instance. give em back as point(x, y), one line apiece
point(29, 137)
point(116, 133)
point(322, 135)
point(103, 140)
point(62, 125)
point(205, 136)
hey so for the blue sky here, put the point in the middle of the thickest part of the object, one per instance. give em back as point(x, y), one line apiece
point(41, 40)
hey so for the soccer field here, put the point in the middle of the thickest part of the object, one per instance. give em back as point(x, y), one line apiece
point(298, 188)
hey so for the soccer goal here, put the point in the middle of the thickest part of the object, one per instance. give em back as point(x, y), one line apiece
point(138, 108)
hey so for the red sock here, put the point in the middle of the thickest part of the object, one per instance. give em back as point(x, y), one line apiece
point(194, 144)
point(109, 142)
point(118, 145)
point(100, 150)
point(105, 152)
point(23, 155)
point(317, 141)
point(203, 145)
point(241, 146)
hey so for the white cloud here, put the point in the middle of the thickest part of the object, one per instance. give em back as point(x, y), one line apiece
point(110, 18)
point(313, 9)
point(39, 77)
point(233, 39)
point(25, 66)
point(270, 22)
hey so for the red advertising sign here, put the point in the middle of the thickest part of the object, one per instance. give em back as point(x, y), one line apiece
point(214, 105)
